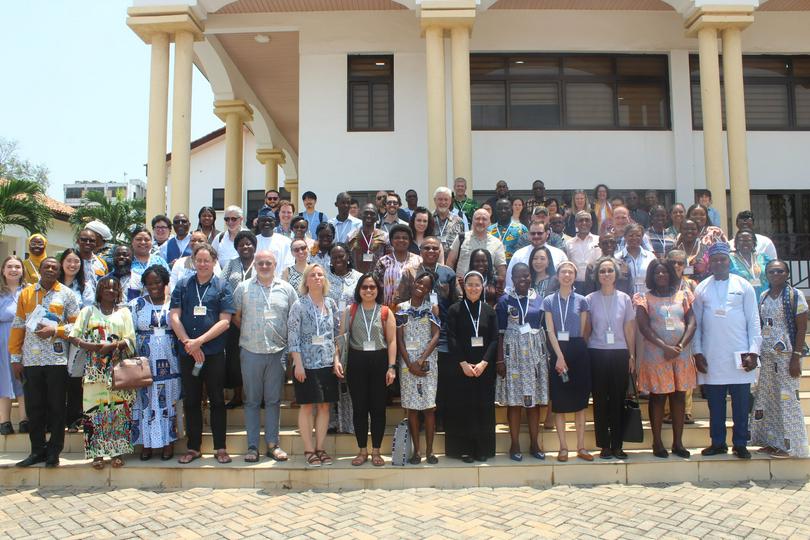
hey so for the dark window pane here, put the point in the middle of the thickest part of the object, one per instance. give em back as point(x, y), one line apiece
point(697, 109)
point(801, 66)
point(488, 105)
point(589, 104)
point(642, 105)
point(802, 91)
point(360, 106)
point(380, 97)
point(644, 66)
point(487, 66)
point(218, 199)
point(255, 201)
point(694, 66)
point(528, 66)
point(766, 106)
point(754, 66)
point(588, 65)
point(534, 105)
point(370, 66)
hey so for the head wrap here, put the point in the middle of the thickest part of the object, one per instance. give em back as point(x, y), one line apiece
point(567, 263)
point(471, 273)
point(31, 264)
point(100, 229)
point(719, 248)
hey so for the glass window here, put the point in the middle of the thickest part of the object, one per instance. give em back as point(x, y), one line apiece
point(802, 105)
point(588, 65)
point(589, 104)
point(534, 105)
point(218, 199)
point(642, 105)
point(488, 105)
point(370, 91)
point(766, 105)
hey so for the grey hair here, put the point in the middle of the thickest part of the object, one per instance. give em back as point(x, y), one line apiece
point(233, 209)
point(442, 189)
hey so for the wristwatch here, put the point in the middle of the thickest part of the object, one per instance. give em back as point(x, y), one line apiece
point(392, 367)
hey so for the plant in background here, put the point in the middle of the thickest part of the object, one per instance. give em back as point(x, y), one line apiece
point(119, 214)
point(22, 203)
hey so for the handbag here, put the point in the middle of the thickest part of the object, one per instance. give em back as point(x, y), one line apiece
point(131, 373)
point(632, 431)
point(401, 450)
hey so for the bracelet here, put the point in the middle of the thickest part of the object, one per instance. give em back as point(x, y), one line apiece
point(796, 353)
point(392, 366)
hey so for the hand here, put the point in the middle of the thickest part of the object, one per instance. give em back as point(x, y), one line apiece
point(795, 368)
point(671, 351)
point(44, 331)
point(390, 376)
point(299, 373)
point(17, 368)
point(480, 367)
point(500, 369)
point(199, 357)
point(467, 369)
point(701, 364)
point(415, 368)
point(561, 366)
point(749, 362)
point(338, 369)
point(632, 365)
point(192, 345)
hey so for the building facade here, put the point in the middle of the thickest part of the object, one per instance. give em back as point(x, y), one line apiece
point(76, 193)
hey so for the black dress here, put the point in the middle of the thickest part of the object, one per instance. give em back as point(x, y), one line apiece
point(469, 420)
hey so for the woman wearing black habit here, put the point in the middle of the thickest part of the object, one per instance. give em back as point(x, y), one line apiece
point(472, 335)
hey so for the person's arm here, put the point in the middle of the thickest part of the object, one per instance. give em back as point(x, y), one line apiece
point(560, 365)
point(697, 341)
point(452, 256)
point(751, 308)
point(795, 367)
point(294, 342)
point(689, 332)
point(237, 305)
point(391, 330)
point(630, 339)
point(434, 335)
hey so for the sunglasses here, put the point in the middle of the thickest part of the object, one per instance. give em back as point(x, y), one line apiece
point(272, 198)
point(368, 287)
point(180, 222)
point(679, 263)
point(300, 248)
point(232, 219)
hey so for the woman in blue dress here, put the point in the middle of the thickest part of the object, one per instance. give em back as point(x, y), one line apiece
point(11, 274)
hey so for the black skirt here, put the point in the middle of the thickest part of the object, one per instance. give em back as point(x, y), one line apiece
point(469, 412)
point(573, 395)
point(319, 386)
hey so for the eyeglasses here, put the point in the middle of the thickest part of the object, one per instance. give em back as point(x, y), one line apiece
point(430, 248)
point(536, 233)
point(162, 227)
point(368, 287)
point(678, 263)
point(392, 202)
point(232, 219)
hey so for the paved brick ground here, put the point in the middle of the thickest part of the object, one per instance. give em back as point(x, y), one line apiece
point(749, 510)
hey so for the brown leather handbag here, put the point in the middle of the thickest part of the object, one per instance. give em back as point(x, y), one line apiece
point(131, 373)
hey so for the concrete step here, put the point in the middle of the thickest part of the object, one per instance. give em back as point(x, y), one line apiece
point(640, 468)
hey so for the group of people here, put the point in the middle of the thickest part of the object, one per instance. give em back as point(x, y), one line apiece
point(525, 304)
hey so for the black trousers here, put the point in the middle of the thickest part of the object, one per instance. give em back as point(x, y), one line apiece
point(44, 390)
point(75, 393)
point(365, 375)
point(609, 373)
point(233, 363)
point(213, 376)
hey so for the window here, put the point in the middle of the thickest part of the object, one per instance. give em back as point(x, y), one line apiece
point(218, 199)
point(371, 93)
point(74, 193)
point(255, 201)
point(541, 91)
point(777, 92)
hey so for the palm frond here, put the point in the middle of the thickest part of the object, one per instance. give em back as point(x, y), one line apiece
point(21, 204)
point(118, 214)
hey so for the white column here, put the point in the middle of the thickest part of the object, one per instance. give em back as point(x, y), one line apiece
point(158, 112)
point(181, 122)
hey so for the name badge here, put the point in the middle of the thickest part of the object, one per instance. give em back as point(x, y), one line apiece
point(610, 338)
point(720, 313)
point(318, 340)
point(669, 324)
point(525, 328)
point(689, 270)
point(368, 345)
point(476, 341)
point(562, 336)
point(434, 298)
point(766, 331)
point(412, 345)
point(368, 257)
point(158, 331)
point(58, 348)
point(200, 311)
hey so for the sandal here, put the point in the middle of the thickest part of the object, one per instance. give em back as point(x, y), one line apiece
point(168, 452)
point(98, 463)
point(361, 458)
point(117, 462)
point(188, 457)
point(252, 455)
point(432, 459)
point(416, 459)
point(146, 454)
point(277, 454)
point(222, 456)
point(562, 455)
point(324, 457)
point(377, 460)
point(312, 459)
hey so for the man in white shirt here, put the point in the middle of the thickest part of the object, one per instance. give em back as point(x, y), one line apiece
point(478, 238)
point(726, 347)
point(223, 243)
point(537, 234)
point(745, 221)
point(583, 249)
point(178, 245)
point(277, 244)
point(343, 222)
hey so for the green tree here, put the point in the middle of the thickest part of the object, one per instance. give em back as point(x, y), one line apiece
point(12, 166)
point(119, 215)
point(22, 203)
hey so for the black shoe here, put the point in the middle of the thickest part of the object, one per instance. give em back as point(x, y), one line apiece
point(467, 459)
point(618, 453)
point(661, 453)
point(6, 428)
point(482, 459)
point(32, 459)
point(606, 453)
point(681, 452)
point(52, 461)
point(24, 426)
point(741, 452)
point(715, 450)
point(233, 405)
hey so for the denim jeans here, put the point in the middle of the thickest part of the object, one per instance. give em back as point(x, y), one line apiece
point(740, 405)
point(262, 378)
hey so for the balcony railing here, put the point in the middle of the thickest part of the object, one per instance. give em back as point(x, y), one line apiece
point(796, 249)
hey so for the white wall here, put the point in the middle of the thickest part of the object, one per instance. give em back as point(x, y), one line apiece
point(13, 239)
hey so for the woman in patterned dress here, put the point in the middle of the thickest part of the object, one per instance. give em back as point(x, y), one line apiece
point(522, 366)
point(747, 263)
point(777, 422)
point(106, 332)
point(417, 336)
point(389, 268)
point(292, 274)
point(666, 370)
point(154, 417)
point(697, 261)
point(319, 252)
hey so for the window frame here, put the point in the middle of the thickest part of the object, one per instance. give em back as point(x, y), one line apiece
point(562, 80)
point(217, 195)
point(352, 80)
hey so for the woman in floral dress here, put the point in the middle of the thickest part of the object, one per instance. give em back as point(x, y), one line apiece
point(390, 268)
point(106, 332)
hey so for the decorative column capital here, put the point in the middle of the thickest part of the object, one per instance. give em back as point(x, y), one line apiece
point(719, 18)
point(146, 21)
point(447, 14)
point(268, 155)
point(225, 107)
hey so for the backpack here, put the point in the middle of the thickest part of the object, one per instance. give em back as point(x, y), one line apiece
point(401, 450)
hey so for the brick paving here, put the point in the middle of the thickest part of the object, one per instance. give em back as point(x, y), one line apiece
point(745, 510)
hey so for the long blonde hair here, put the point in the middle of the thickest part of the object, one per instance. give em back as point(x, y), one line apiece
point(4, 286)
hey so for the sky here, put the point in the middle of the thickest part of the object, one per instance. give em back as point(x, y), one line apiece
point(75, 90)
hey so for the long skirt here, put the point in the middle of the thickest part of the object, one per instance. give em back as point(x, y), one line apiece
point(571, 396)
point(108, 414)
point(526, 381)
point(469, 419)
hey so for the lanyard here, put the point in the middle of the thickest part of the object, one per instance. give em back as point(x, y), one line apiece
point(368, 324)
point(523, 312)
point(607, 309)
point(752, 266)
point(661, 238)
point(368, 241)
point(246, 272)
point(318, 315)
point(439, 225)
point(501, 236)
point(266, 296)
point(477, 321)
point(200, 298)
point(563, 316)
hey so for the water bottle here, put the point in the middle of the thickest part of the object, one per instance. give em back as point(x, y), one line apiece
point(564, 376)
point(197, 368)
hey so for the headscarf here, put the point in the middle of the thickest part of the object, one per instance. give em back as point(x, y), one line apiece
point(31, 264)
point(100, 229)
point(719, 248)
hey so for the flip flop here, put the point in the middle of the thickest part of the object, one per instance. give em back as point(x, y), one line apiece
point(188, 457)
point(222, 457)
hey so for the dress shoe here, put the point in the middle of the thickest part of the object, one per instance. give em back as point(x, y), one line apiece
point(32, 459)
point(482, 459)
point(52, 461)
point(661, 453)
point(584, 455)
point(741, 452)
point(467, 459)
point(618, 453)
point(681, 452)
point(606, 454)
point(689, 419)
point(715, 450)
